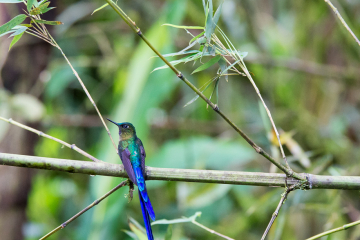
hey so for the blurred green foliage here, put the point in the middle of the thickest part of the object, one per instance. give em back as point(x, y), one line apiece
point(305, 65)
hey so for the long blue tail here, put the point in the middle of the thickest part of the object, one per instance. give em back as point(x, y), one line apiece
point(146, 218)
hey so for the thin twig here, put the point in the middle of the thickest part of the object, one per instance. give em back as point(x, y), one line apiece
point(88, 95)
point(258, 149)
point(84, 210)
point(275, 214)
point(344, 227)
point(72, 146)
point(342, 20)
point(210, 230)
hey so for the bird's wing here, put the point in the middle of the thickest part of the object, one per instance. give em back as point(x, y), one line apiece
point(125, 159)
point(143, 154)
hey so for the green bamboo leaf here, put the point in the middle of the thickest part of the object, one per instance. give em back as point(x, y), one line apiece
point(12, 23)
point(197, 96)
point(20, 30)
point(99, 8)
point(11, 1)
point(209, 22)
point(15, 39)
point(47, 22)
point(192, 57)
point(230, 66)
point(11, 31)
point(43, 8)
point(37, 4)
point(183, 27)
point(168, 234)
point(180, 53)
point(178, 220)
point(207, 64)
point(29, 4)
point(217, 15)
point(195, 38)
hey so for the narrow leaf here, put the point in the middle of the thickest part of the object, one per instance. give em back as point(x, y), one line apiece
point(41, 9)
point(225, 71)
point(209, 26)
point(217, 15)
point(12, 23)
point(168, 234)
point(180, 53)
point(15, 39)
point(194, 38)
point(11, 1)
point(20, 30)
point(177, 220)
point(183, 27)
point(29, 4)
point(207, 64)
point(99, 8)
point(11, 31)
point(48, 22)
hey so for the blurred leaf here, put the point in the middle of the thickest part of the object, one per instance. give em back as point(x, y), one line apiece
point(197, 196)
point(197, 96)
point(207, 64)
point(4, 111)
point(47, 22)
point(20, 30)
point(131, 234)
point(29, 4)
point(99, 8)
point(11, 1)
point(183, 27)
point(15, 39)
point(178, 220)
point(196, 37)
point(141, 235)
point(43, 8)
point(12, 23)
point(168, 234)
point(217, 16)
point(27, 106)
point(137, 224)
point(180, 53)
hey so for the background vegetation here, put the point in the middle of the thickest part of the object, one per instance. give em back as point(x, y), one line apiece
point(303, 61)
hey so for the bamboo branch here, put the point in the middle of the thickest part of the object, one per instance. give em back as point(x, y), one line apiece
point(184, 175)
point(258, 149)
point(344, 227)
point(342, 21)
point(276, 213)
point(72, 146)
point(123, 183)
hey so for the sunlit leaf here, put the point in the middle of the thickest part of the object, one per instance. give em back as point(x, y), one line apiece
point(99, 8)
point(29, 4)
point(183, 27)
point(12, 23)
point(15, 39)
point(43, 8)
point(180, 53)
point(48, 22)
point(178, 220)
point(207, 64)
point(168, 234)
point(141, 235)
point(11, 31)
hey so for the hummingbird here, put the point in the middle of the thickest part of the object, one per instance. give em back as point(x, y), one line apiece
point(132, 155)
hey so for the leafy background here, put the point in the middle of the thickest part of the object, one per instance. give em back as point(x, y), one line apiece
point(303, 61)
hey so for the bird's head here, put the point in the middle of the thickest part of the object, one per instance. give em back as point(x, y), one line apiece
point(126, 130)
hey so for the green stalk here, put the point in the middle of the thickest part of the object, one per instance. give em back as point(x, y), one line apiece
point(344, 227)
point(289, 172)
point(183, 175)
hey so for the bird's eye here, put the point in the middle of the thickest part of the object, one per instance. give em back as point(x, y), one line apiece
point(125, 126)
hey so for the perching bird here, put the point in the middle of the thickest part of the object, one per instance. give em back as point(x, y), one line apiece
point(132, 155)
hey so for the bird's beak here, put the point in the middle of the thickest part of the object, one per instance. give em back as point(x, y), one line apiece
point(112, 122)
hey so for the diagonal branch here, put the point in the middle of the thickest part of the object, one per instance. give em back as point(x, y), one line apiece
point(184, 175)
point(289, 172)
point(122, 184)
point(72, 146)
